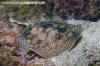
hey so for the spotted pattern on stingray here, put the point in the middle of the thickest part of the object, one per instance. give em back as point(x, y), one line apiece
point(49, 39)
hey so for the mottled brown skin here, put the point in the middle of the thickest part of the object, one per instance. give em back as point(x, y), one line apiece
point(67, 34)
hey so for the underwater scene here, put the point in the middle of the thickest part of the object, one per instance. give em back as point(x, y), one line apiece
point(49, 32)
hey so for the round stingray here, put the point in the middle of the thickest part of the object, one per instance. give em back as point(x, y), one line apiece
point(49, 39)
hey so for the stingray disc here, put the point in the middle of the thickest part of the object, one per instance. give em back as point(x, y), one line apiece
point(49, 39)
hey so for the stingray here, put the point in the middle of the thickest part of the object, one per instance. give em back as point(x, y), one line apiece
point(49, 38)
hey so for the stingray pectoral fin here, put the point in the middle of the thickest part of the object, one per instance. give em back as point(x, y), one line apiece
point(57, 19)
point(76, 42)
point(21, 44)
point(36, 50)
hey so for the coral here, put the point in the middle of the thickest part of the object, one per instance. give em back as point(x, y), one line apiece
point(83, 9)
point(10, 52)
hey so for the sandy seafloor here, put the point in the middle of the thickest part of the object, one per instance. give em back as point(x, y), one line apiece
point(87, 52)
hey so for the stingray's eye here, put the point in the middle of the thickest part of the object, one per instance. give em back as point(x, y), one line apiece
point(49, 25)
point(62, 30)
point(46, 25)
